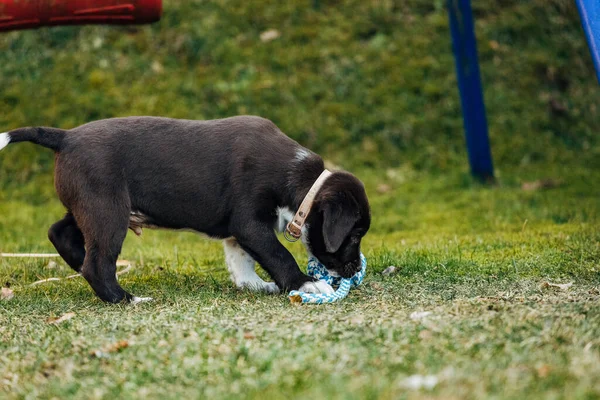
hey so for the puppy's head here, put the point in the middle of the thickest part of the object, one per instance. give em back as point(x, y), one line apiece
point(338, 221)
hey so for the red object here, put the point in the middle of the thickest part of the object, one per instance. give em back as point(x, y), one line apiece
point(26, 14)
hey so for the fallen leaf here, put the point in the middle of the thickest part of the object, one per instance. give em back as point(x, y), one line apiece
point(543, 370)
point(416, 382)
point(249, 335)
point(65, 317)
point(97, 42)
point(548, 183)
point(494, 45)
point(383, 188)
point(295, 299)
point(389, 270)
point(6, 293)
point(111, 348)
point(560, 286)
point(158, 68)
point(269, 35)
point(425, 334)
point(392, 173)
point(419, 315)
point(48, 368)
point(118, 346)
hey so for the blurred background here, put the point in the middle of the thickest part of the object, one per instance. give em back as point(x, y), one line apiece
point(368, 84)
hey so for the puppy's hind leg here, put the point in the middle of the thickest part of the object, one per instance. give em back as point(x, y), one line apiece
point(241, 268)
point(67, 238)
point(104, 224)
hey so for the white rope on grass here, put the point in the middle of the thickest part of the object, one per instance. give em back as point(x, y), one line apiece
point(29, 255)
point(318, 270)
point(121, 272)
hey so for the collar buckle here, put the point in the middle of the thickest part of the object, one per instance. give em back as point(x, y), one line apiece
point(292, 232)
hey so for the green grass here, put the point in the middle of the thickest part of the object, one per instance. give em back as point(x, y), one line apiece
point(370, 85)
point(475, 257)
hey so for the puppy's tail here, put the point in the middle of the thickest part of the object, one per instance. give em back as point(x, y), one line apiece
point(51, 138)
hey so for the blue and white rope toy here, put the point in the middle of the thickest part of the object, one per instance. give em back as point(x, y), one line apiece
point(318, 270)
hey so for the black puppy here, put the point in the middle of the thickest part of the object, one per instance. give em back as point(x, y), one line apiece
point(234, 179)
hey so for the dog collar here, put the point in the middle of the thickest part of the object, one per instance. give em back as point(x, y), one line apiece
point(293, 231)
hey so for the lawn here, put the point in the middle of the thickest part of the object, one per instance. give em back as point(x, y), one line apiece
point(467, 314)
point(470, 311)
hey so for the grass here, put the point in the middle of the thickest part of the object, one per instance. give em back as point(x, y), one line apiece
point(370, 85)
point(474, 257)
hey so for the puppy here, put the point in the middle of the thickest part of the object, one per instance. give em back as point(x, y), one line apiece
point(234, 179)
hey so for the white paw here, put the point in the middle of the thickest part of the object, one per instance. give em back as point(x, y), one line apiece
point(271, 288)
point(138, 300)
point(260, 286)
point(318, 287)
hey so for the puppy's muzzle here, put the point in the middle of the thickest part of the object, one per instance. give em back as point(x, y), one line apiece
point(350, 269)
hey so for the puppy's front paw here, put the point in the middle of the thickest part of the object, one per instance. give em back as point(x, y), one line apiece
point(318, 287)
point(260, 286)
point(270, 287)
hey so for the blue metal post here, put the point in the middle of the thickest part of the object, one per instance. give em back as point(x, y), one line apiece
point(589, 10)
point(469, 84)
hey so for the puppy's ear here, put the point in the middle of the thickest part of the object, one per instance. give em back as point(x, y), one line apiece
point(338, 220)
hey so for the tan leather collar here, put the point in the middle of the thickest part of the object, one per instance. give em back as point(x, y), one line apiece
point(293, 231)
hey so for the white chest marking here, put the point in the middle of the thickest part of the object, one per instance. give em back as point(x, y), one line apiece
point(284, 216)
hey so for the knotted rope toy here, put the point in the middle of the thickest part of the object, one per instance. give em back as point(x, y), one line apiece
point(318, 270)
